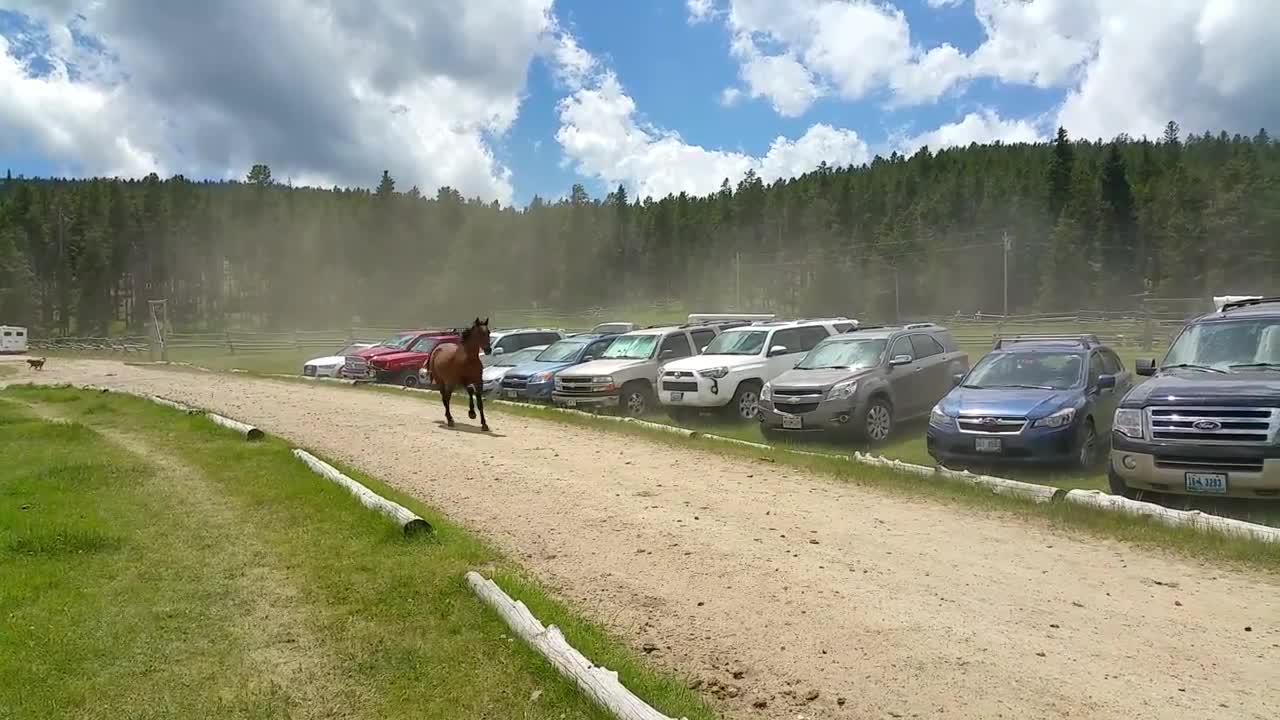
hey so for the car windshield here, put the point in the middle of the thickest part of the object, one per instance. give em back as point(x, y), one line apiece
point(399, 341)
point(631, 347)
point(563, 351)
point(737, 343)
point(515, 358)
point(851, 354)
point(1229, 346)
point(426, 344)
point(1044, 371)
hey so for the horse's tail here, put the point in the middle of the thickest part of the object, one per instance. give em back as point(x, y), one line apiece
point(431, 369)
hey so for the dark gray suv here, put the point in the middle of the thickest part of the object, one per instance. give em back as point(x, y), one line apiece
point(863, 382)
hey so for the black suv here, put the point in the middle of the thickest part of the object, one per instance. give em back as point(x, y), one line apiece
point(1208, 421)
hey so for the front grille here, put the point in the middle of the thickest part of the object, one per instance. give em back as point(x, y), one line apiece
point(796, 400)
point(797, 409)
point(678, 374)
point(1214, 425)
point(680, 386)
point(1209, 463)
point(309, 370)
point(579, 386)
point(515, 383)
point(991, 425)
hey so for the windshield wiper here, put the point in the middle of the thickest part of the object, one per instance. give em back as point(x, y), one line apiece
point(1021, 387)
point(1193, 366)
point(1264, 365)
point(825, 367)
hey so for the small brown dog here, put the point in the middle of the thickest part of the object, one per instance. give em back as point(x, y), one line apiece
point(36, 364)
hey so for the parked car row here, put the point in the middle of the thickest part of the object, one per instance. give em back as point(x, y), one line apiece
point(1207, 423)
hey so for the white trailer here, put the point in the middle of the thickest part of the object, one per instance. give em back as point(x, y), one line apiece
point(13, 339)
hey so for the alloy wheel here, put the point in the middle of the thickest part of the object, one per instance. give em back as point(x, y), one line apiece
point(879, 422)
point(748, 405)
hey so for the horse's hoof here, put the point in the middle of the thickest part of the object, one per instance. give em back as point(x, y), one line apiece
point(450, 422)
point(484, 428)
point(472, 414)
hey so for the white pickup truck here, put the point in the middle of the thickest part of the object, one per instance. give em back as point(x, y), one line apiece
point(729, 373)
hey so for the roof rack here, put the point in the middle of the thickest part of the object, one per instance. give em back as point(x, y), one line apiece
point(1248, 302)
point(919, 326)
point(1086, 340)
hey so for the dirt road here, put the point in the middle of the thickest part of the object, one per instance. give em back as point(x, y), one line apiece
point(788, 595)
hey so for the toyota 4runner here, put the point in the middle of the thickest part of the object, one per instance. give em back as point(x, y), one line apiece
point(1208, 420)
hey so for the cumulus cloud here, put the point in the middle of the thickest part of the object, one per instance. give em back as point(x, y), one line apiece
point(603, 136)
point(322, 90)
point(1124, 66)
point(983, 127)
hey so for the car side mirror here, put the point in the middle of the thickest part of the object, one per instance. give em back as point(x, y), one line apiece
point(900, 360)
point(956, 379)
point(499, 350)
point(777, 350)
point(588, 358)
point(665, 354)
point(1145, 367)
point(1106, 382)
point(702, 349)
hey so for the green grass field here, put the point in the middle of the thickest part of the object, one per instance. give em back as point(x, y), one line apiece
point(154, 565)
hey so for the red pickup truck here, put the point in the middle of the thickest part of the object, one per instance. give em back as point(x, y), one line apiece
point(398, 358)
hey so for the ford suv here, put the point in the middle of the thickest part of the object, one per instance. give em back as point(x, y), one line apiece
point(1208, 420)
point(863, 382)
point(729, 373)
point(626, 374)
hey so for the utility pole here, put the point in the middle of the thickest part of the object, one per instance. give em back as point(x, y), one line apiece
point(1007, 244)
point(737, 281)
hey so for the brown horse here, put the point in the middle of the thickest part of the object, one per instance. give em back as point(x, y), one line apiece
point(452, 364)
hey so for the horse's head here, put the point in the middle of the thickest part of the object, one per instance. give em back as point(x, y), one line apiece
point(478, 335)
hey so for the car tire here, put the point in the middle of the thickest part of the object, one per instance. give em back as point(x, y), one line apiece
point(635, 400)
point(876, 424)
point(747, 394)
point(1086, 455)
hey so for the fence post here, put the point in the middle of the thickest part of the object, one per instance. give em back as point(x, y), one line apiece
point(1146, 327)
point(231, 347)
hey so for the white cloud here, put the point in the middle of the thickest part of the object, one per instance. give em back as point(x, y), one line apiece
point(939, 4)
point(602, 136)
point(1125, 66)
point(700, 10)
point(982, 127)
point(320, 90)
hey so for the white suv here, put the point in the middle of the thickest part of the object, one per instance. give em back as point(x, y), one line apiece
point(731, 370)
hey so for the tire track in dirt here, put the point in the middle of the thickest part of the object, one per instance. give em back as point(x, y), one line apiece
point(770, 586)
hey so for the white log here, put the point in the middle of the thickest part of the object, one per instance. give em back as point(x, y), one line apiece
point(1177, 518)
point(598, 683)
point(1003, 486)
point(408, 521)
point(248, 431)
point(884, 462)
point(172, 404)
point(735, 441)
point(683, 432)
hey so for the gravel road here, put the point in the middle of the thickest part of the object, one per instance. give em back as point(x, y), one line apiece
point(787, 595)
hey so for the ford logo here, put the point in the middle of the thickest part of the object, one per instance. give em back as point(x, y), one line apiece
point(1207, 425)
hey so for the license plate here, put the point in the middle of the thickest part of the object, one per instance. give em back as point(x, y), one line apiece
point(677, 396)
point(571, 403)
point(792, 422)
point(511, 394)
point(987, 445)
point(1207, 483)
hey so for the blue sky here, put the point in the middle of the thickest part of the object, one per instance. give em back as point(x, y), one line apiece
point(507, 99)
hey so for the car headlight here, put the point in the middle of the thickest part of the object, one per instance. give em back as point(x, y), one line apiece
point(843, 390)
point(937, 417)
point(541, 377)
point(606, 379)
point(1128, 422)
point(714, 373)
point(1062, 418)
point(766, 392)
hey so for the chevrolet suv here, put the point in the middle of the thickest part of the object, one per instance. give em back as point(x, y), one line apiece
point(729, 373)
point(863, 382)
point(1208, 420)
point(626, 374)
